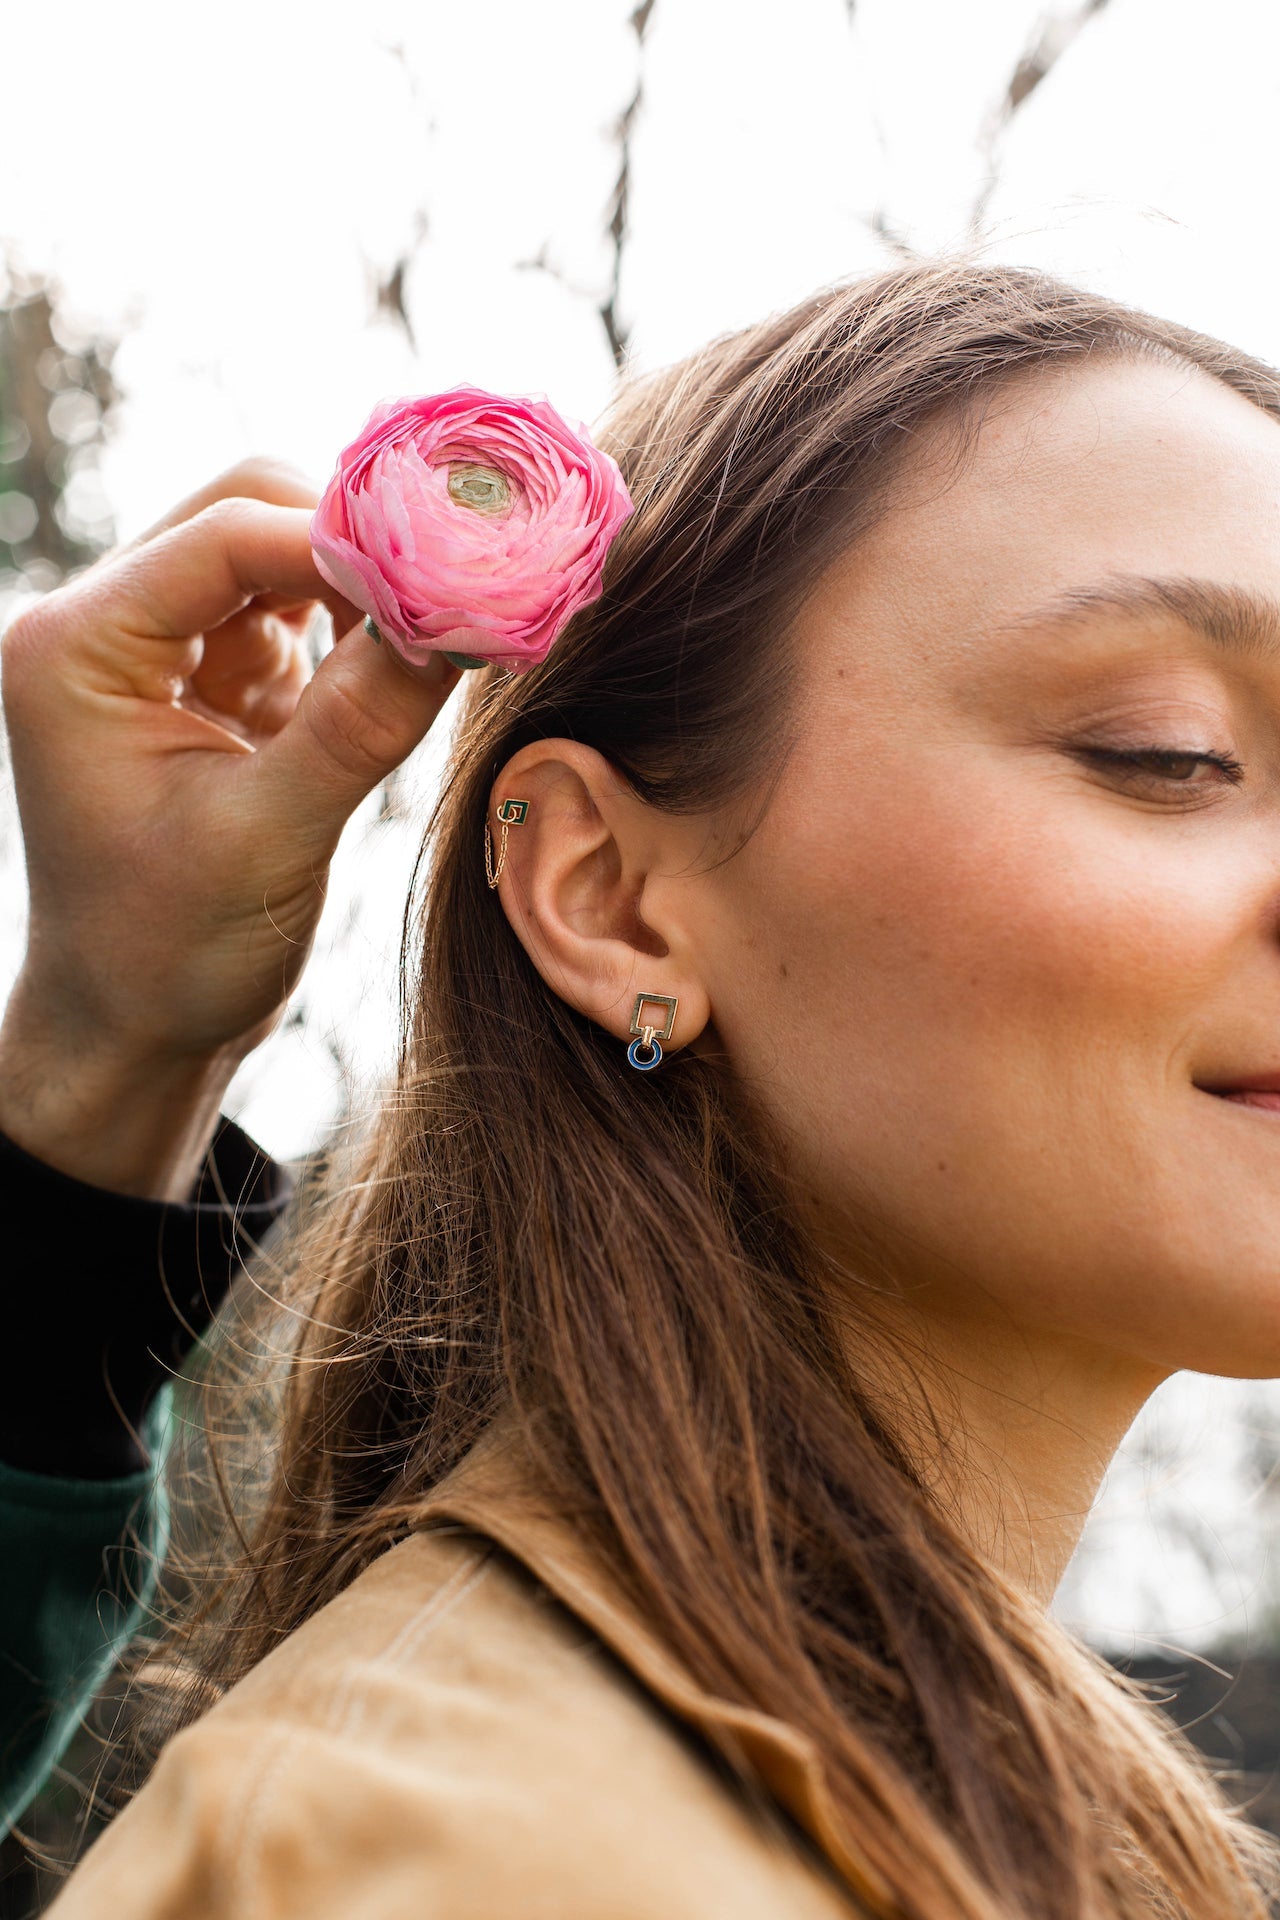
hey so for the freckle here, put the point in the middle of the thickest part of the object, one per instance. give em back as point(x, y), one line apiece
point(783, 970)
point(942, 1166)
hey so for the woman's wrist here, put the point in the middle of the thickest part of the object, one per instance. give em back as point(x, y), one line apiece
point(131, 1122)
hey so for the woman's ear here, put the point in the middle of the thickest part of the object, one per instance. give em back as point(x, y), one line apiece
point(595, 884)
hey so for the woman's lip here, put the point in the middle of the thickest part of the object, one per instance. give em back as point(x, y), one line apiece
point(1267, 1098)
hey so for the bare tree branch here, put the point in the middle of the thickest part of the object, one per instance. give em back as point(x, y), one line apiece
point(616, 332)
point(891, 237)
point(388, 289)
point(1050, 41)
point(542, 262)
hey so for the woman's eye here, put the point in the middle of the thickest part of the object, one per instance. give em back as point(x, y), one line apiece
point(1152, 769)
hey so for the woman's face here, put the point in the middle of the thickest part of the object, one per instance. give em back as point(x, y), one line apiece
point(1003, 959)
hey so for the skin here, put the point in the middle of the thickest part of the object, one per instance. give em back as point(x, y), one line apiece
point(182, 784)
point(998, 989)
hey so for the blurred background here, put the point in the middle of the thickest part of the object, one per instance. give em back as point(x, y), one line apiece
point(231, 233)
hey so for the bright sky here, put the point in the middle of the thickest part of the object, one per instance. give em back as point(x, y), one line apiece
point(224, 189)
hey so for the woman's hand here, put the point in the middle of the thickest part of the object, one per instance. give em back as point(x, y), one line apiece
point(182, 785)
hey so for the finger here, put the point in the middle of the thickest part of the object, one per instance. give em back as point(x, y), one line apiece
point(252, 660)
point(256, 705)
point(272, 706)
point(275, 482)
point(197, 575)
point(292, 613)
point(243, 655)
point(356, 719)
point(299, 613)
point(296, 593)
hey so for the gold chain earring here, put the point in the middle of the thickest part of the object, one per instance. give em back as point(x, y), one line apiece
point(511, 813)
point(649, 1035)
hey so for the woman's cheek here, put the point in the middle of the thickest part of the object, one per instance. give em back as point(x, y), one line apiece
point(956, 963)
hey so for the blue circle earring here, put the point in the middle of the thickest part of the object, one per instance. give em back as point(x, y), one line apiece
point(649, 1037)
point(655, 1051)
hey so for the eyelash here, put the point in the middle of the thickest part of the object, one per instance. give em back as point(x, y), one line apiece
point(1154, 762)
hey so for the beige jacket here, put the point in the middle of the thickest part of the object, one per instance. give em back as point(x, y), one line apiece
point(476, 1729)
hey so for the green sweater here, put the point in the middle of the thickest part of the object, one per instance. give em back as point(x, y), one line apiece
point(80, 1559)
point(104, 1295)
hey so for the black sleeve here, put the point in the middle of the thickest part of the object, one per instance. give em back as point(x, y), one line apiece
point(105, 1294)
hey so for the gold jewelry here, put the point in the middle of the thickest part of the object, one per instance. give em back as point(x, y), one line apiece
point(649, 1035)
point(512, 814)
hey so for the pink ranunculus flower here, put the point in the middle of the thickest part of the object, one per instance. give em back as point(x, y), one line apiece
point(470, 524)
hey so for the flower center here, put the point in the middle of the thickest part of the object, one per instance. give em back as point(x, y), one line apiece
point(483, 489)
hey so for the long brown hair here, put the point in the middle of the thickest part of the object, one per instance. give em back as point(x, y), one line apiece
point(610, 1259)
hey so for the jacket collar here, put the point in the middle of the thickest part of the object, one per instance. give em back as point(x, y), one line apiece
point(491, 1492)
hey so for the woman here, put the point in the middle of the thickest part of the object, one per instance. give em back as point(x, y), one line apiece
point(674, 1464)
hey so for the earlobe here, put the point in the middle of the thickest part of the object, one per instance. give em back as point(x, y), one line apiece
point(578, 868)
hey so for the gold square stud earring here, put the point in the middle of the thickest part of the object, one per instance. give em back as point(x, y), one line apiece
point(511, 813)
point(650, 1035)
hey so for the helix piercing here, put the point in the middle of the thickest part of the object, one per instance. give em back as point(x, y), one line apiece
point(511, 813)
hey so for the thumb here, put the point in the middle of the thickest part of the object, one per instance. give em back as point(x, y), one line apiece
point(360, 714)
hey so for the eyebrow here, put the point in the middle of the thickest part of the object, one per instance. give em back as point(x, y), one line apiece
point(1233, 618)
